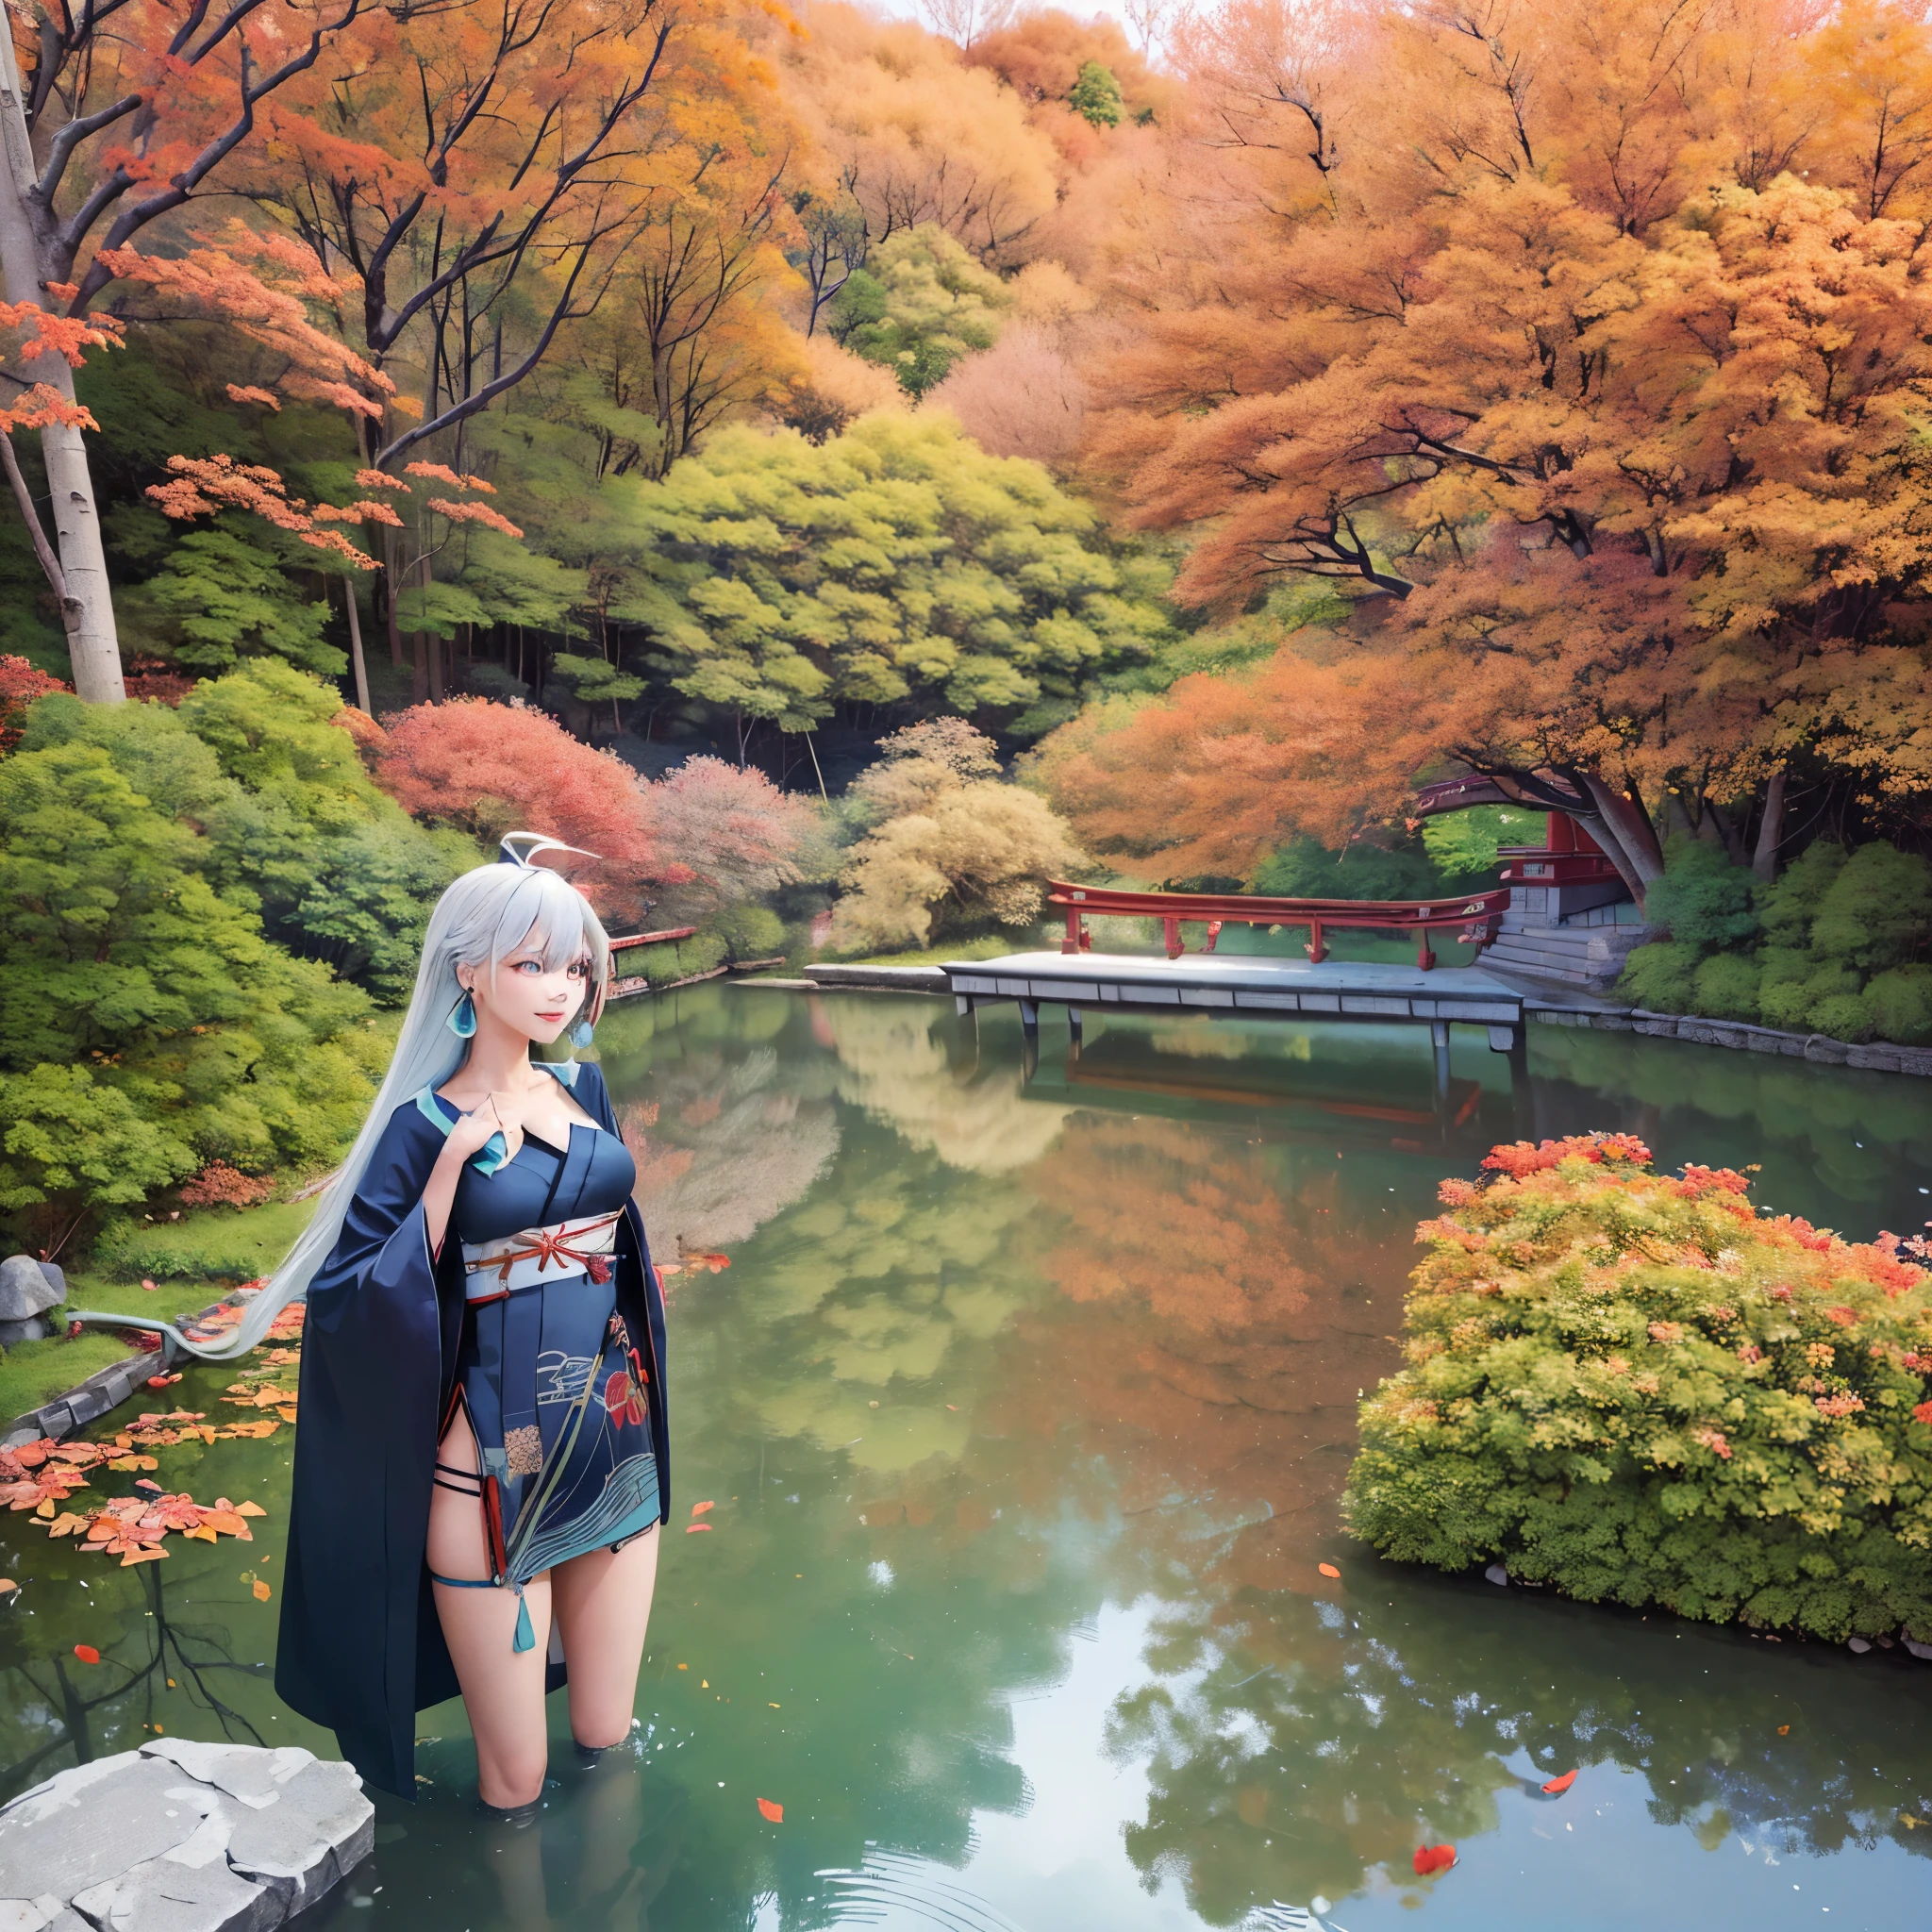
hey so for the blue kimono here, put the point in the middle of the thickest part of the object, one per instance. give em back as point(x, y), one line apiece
point(391, 1339)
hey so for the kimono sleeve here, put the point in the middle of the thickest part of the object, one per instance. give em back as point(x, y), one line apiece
point(372, 1368)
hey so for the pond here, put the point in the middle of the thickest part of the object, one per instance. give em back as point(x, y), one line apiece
point(1023, 1407)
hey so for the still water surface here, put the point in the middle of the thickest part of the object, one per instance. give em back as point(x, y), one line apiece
point(1024, 1407)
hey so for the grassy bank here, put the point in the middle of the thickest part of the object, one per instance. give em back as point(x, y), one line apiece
point(191, 1262)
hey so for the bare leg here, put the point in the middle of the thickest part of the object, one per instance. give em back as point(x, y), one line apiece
point(502, 1688)
point(604, 1607)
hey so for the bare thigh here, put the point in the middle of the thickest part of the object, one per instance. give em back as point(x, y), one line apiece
point(502, 1686)
point(604, 1608)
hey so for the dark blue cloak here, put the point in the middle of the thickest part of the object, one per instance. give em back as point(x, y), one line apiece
point(361, 1650)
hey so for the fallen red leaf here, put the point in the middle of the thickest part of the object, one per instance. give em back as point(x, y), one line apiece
point(87, 1653)
point(1328, 1570)
point(1429, 1859)
point(696, 1528)
point(774, 1812)
point(1560, 1784)
point(700, 1508)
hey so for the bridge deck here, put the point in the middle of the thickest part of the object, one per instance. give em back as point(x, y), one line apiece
point(1203, 982)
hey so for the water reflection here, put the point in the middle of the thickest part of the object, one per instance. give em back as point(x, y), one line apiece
point(1023, 1409)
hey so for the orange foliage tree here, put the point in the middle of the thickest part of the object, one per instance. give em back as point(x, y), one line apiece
point(126, 112)
point(1585, 355)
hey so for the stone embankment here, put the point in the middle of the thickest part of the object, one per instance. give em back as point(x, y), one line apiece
point(1878, 1056)
point(181, 1837)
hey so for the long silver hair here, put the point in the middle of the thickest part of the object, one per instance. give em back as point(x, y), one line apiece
point(485, 916)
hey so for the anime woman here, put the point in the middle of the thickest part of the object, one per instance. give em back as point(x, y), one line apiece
point(482, 1461)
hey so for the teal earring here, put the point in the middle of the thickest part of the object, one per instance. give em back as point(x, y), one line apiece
point(462, 1017)
point(581, 1034)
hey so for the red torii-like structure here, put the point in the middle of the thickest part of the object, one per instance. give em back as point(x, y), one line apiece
point(1478, 916)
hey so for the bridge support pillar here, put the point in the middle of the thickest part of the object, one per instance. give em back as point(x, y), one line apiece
point(1074, 1021)
point(1439, 1034)
point(1502, 1039)
point(1029, 1015)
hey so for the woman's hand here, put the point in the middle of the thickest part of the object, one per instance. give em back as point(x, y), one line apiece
point(500, 1113)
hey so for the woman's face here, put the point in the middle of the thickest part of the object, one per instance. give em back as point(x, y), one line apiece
point(525, 995)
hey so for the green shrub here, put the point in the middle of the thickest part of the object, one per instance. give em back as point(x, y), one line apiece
point(1877, 912)
point(1787, 908)
point(1305, 869)
point(1724, 987)
point(1640, 1389)
point(1704, 899)
point(1659, 976)
point(749, 932)
point(1900, 1005)
point(1464, 844)
point(1842, 1015)
point(1793, 1003)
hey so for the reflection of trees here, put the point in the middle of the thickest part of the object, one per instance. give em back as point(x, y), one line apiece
point(722, 1146)
point(1220, 1387)
point(1804, 1123)
point(61, 1712)
point(875, 1299)
point(897, 1066)
point(1349, 1732)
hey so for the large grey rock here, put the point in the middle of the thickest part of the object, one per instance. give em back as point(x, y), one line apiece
point(25, 1289)
point(94, 1823)
point(181, 1837)
point(165, 1895)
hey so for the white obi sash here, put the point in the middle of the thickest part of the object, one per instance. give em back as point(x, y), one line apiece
point(536, 1255)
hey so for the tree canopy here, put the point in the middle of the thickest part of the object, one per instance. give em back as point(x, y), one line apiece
point(896, 562)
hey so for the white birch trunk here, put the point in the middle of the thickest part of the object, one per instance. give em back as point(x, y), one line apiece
point(87, 609)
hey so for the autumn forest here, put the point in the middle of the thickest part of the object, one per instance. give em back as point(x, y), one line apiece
point(844, 470)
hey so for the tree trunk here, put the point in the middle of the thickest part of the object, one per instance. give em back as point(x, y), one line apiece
point(1621, 827)
point(392, 552)
point(1771, 833)
point(86, 607)
point(355, 659)
point(1727, 831)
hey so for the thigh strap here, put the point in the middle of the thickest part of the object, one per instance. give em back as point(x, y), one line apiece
point(525, 1638)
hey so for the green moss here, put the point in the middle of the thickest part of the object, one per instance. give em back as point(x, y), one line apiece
point(36, 1371)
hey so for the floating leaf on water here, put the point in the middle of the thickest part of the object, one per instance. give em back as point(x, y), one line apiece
point(1560, 1784)
point(8, 1586)
point(1784, 1730)
point(1328, 1570)
point(1429, 1859)
point(87, 1653)
point(695, 1528)
point(774, 1813)
point(702, 1509)
point(249, 1510)
point(261, 1590)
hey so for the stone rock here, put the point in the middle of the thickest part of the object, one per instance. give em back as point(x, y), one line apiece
point(34, 1329)
point(1496, 1573)
point(1920, 1651)
point(319, 1831)
point(181, 1837)
point(91, 1824)
point(165, 1896)
point(1857, 1646)
point(25, 1289)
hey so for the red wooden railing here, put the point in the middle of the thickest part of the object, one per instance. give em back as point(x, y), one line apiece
point(621, 989)
point(1478, 916)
